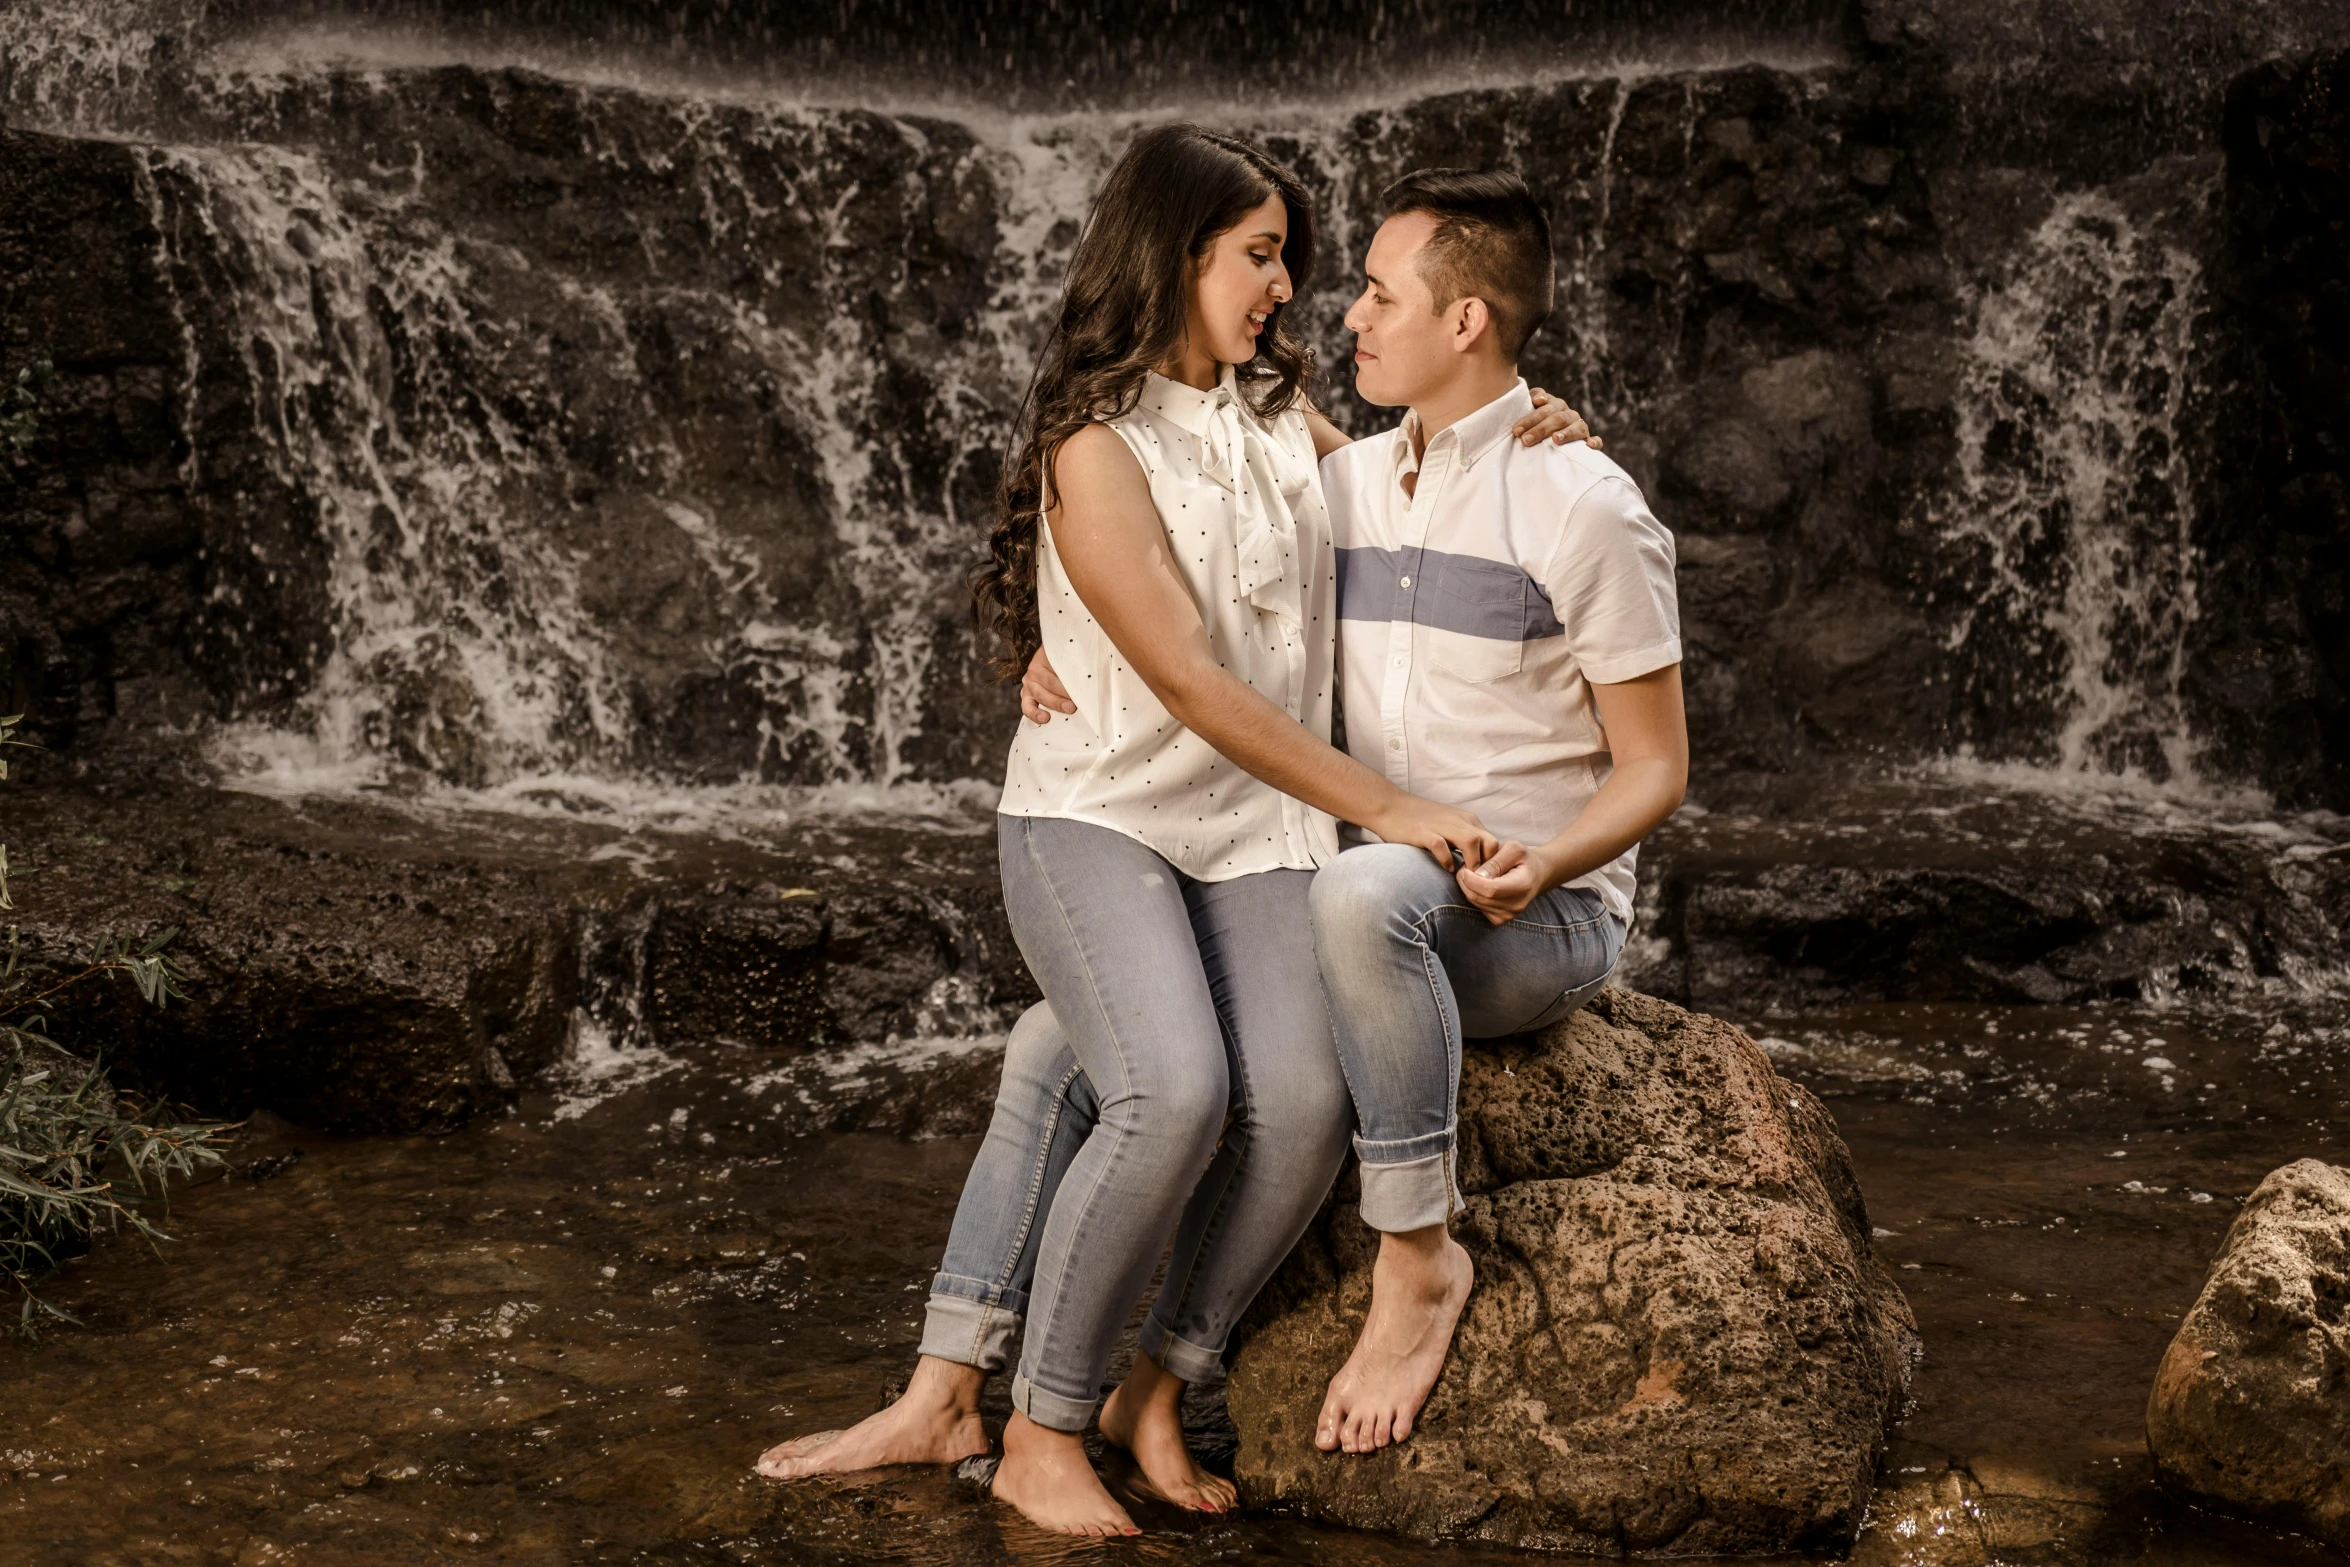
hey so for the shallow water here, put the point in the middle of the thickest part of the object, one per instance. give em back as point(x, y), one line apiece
point(564, 1339)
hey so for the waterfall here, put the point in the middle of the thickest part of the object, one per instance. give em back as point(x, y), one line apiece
point(2074, 484)
point(575, 429)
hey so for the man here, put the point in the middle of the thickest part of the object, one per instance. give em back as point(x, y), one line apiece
point(1509, 644)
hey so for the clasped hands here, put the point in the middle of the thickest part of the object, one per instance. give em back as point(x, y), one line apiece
point(1499, 887)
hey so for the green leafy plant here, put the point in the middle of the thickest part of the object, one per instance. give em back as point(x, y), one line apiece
point(20, 411)
point(76, 1157)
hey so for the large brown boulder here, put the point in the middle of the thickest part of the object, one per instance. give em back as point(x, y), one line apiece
point(1680, 1342)
point(2251, 1410)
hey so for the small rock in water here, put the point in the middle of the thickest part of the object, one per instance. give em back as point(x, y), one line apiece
point(2247, 1414)
point(275, 1164)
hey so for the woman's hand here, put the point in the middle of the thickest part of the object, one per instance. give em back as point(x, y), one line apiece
point(1501, 887)
point(1041, 691)
point(1440, 829)
point(1555, 422)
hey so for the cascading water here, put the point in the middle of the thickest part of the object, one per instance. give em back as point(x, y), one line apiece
point(652, 434)
point(2075, 481)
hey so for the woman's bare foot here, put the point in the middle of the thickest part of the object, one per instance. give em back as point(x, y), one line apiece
point(1046, 1474)
point(1418, 1286)
point(1145, 1417)
point(935, 1421)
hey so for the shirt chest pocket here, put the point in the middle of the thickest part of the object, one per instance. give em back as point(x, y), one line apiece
point(1490, 609)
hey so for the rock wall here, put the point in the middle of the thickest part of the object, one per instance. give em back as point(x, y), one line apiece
point(2272, 671)
point(464, 423)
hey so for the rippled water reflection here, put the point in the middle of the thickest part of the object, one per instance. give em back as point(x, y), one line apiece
point(563, 1340)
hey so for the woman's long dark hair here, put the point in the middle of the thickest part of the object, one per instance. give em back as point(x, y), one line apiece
point(1122, 315)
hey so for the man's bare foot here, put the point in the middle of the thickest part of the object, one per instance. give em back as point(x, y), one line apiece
point(935, 1421)
point(1418, 1287)
point(1145, 1417)
point(1046, 1474)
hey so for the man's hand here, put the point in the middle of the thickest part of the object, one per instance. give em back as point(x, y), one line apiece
point(1555, 422)
point(1440, 829)
point(1502, 886)
point(1041, 691)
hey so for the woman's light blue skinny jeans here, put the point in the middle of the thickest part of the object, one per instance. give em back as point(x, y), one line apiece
point(1183, 1080)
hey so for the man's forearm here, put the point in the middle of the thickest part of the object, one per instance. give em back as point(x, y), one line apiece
point(1634, 801)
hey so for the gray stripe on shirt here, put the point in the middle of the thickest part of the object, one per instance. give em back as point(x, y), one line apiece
point(1465, 593)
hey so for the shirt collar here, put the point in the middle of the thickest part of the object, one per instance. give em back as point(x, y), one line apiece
point(1187, 405)
point(1473, 434)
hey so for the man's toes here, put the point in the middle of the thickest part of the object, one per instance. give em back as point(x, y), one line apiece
point(1403, 1427)
point(1382, 1428)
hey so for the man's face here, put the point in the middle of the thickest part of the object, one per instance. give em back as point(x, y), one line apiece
point(1403, 347)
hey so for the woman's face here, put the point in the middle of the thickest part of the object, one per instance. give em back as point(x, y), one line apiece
point(1238, 282)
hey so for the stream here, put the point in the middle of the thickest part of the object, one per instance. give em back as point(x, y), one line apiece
point(564, 1335)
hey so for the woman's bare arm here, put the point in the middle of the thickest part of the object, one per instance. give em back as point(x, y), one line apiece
point(1114, 547)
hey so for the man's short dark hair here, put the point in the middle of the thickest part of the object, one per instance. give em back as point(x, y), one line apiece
point(1492, 242)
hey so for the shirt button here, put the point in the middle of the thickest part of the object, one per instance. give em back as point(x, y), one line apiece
point(1407, 582)
point(1395, 745)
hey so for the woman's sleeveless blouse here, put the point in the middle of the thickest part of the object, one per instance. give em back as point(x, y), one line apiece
point(1241, 500)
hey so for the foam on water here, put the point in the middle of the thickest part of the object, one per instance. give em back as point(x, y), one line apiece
point(601, 1066)
point(2176, 802)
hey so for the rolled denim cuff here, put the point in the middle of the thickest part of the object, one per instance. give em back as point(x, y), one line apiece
point(1177, 1355)
point(1407, 1194)
point(1051, 1410)
point(968, 1332)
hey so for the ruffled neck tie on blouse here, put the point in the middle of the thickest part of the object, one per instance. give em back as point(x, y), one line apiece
point(1265, 478)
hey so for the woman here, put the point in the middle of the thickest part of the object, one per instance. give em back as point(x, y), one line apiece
point(1157, 846)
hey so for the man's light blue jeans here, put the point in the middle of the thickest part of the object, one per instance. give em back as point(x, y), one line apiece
point(1412, 969)
point(1183, 1080)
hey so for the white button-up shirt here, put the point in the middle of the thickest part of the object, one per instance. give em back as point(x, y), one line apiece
point(1478, 608)
point(1247, 527)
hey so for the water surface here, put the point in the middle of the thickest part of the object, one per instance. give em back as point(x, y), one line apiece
point(564, 1336)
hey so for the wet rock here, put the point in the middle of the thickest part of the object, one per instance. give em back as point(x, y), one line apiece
point(2249, 1413)
point(1680, 1342)
point(356, 967)
point(744, 970)
point(323, 982)
point(1826, 891)
point(2271, 675)
point(802, 967)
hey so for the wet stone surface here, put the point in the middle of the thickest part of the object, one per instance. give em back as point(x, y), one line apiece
point(371, 964)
